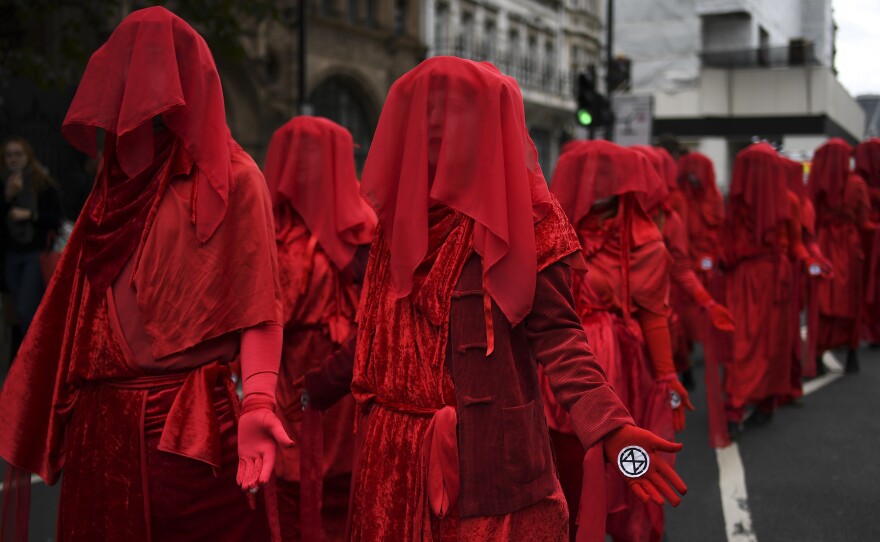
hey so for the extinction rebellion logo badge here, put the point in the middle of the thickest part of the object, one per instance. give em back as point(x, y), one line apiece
point(633, 461)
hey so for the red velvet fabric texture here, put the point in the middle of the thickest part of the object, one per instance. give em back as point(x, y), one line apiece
point(451, 132)
point(401, 377)
point(154, 64)
point(310, 170)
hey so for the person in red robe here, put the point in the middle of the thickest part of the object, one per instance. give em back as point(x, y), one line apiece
point(124, 381)
point(843, 208)
point(623, 305)
point(323, 228)
point(703, 215)
point(868, 167)
point(685, 284)
point(804, 284)
point(761, 235)
point(467, 291)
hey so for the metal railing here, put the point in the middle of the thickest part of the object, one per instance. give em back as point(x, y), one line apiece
point(530, 72)
point(795, 54)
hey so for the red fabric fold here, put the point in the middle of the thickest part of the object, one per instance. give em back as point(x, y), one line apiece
point(829, 172)
point(759, 192)
point(440, 458)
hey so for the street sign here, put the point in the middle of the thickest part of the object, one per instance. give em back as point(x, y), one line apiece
point(633, 119)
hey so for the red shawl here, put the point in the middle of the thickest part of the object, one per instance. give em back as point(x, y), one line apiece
point(660, 194)
point(453, 132)
point(310, 169)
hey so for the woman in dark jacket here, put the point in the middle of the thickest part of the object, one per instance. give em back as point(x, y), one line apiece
point(31, 211)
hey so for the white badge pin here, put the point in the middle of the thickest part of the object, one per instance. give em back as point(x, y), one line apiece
point(674, 399)
point(633, 461)
point(815, 270)
point(706, 264)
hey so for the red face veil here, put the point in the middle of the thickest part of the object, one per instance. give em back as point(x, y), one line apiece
point(310, 169)
point(830, 171)
point(155, 64)
point(453, 132)
point(759, 191)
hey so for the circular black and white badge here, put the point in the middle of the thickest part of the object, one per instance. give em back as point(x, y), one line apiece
point(674, 399)
point(633, 461)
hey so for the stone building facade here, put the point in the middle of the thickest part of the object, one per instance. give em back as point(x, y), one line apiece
point(355, 50)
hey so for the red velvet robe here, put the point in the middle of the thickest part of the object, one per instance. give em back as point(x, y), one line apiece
point(402, 396)
point(839, 236)
point(146, 435)
point(320, 302)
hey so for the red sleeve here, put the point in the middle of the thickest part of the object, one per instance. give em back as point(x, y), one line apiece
point(795, 231)
point(655, 330)
point(681, 271)
point(560, 346)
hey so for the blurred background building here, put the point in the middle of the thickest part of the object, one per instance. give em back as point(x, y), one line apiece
point(724, 71)
point(542, 43)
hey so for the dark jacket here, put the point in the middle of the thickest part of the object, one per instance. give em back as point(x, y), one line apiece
point(504, 446)
point(47, 206)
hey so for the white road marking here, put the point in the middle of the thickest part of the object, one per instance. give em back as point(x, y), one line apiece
point(731, 475)
point(734, 499)
point(34, 479)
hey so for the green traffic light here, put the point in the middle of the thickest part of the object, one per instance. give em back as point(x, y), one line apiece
point(584, 117)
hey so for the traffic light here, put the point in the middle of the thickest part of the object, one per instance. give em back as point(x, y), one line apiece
point(592, 107)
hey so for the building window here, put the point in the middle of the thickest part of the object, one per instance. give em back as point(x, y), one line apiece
point(466, 38)
point(400, 17)
point(490, 38)
point(441, 29)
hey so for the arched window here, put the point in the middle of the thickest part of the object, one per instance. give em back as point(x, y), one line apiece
point(338, 99)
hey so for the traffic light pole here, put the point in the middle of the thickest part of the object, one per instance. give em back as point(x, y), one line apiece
point(609, 61)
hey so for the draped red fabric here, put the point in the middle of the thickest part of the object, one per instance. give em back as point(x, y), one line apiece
point(759, 191)
point(155, 64)
point(696, 178)
point(589, 171)
point(310, 168)
point(467, 121)
point(829, 172)
point(868, 167)
point(670, 169)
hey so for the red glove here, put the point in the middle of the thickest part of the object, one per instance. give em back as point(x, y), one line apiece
point(634, 451)
point(721, 318)
point(678, 400)
point(259, 429)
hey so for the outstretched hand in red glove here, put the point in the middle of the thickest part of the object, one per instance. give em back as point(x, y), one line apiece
point(678, 400)
point(259, 430)
point(634, 451)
